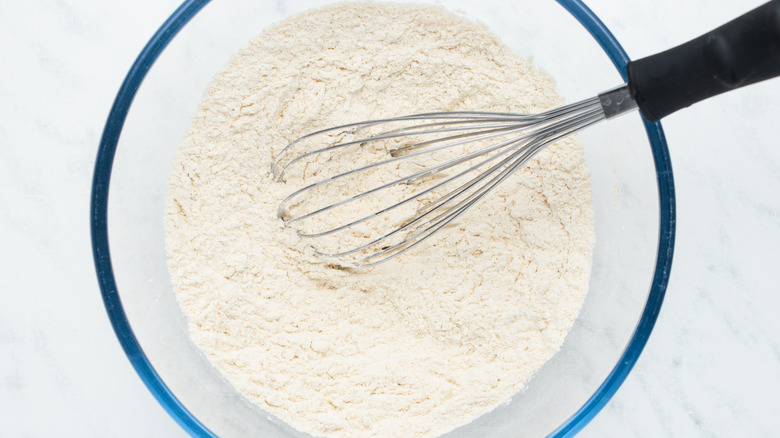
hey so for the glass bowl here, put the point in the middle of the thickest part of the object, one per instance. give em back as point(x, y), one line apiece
point(633, 201)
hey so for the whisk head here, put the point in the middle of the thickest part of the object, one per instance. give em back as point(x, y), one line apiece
point(366, 192)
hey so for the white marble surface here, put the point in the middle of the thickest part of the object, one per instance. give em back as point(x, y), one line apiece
point(711, 367)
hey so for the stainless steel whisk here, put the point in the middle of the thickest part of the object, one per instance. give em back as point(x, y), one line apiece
point(470, 153)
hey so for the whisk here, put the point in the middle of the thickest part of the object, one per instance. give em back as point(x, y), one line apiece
point(442, 164)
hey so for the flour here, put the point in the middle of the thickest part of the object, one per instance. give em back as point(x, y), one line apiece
point(413, 347)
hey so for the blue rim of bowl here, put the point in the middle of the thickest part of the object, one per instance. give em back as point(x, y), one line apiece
point(133, 350)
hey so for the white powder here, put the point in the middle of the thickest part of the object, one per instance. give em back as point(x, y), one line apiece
point(416, 346)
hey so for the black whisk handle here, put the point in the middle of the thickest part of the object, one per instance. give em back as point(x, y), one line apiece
point(743, 51)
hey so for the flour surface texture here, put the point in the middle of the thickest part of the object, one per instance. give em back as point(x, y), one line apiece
point(413, 347)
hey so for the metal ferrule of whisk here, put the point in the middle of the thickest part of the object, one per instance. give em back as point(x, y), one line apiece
point(465, 154)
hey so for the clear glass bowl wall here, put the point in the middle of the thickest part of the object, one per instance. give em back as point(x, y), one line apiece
point(626, 201)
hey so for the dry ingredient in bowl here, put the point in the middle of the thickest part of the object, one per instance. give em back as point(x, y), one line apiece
point(413, 347)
